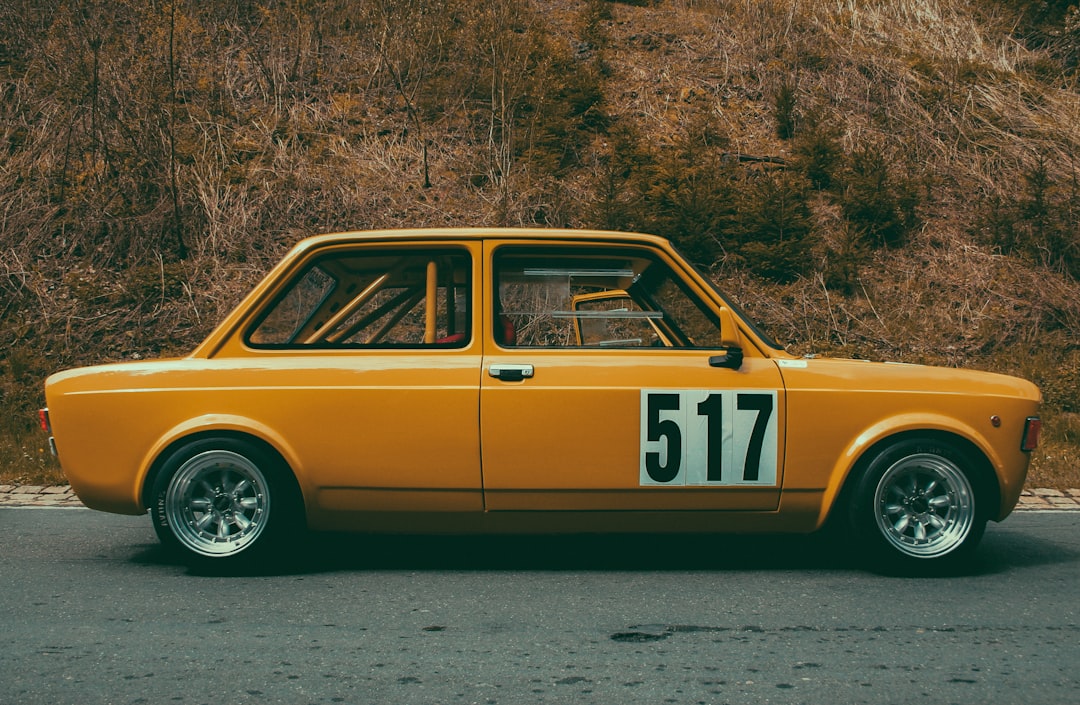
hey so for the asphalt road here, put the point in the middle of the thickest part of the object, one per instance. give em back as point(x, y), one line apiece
point(94, 612)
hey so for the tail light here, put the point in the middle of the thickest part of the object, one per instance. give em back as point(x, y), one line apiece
point(1032, 429)
point(43, 417)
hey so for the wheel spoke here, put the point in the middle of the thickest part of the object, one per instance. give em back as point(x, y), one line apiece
point(941, 502)
point(902, 525)
point(242, 522)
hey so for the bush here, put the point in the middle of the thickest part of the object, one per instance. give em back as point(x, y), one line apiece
point(784, 101)
point(690, 195)
point(843, 260)
point(881, 209)
point(775, 226)
point(1039, 222)
point(619, 173)
point(818, 156)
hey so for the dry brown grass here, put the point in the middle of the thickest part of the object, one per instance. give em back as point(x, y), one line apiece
point(25, 460)
point(297, 119)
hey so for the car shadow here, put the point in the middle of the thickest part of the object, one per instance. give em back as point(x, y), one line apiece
point(582, 552)
point(1000, 551)
point(1007, 547)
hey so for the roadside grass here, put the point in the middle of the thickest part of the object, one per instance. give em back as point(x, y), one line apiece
point(25, 459)
point(1056, 463)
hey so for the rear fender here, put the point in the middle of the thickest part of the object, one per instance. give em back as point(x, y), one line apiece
point(209, 425)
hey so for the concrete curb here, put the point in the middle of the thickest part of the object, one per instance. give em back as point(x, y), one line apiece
point(38, 496)
point(62, 496)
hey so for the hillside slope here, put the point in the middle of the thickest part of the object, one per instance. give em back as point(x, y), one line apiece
point(894, 180)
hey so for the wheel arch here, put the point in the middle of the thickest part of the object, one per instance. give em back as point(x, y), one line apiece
point(164, 450)
point(984, 479)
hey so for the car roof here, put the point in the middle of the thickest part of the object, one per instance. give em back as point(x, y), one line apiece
point(317, 241)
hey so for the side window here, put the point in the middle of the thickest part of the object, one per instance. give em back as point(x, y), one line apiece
point(571, 298)
point(372, 299)
point(614, 319)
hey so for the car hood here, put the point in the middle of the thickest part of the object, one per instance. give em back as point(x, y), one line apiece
point(864, 375)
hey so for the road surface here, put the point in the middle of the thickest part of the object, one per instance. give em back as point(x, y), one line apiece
point(94, 612)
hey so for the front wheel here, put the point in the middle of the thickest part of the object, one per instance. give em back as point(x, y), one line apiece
point(916, 506)
point(220, 500)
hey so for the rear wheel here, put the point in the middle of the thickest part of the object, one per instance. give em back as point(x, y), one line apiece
point(222, 500)
point(916, 506)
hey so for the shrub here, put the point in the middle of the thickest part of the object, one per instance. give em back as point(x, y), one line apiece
point(619, 174)
point(775, 226)
point(817, 154)
point(784, 101)
point(690, 193)
point(843, 258)
point(1039, 222)
point(881, 209)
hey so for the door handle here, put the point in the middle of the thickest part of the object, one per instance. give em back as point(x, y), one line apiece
point(510, 373)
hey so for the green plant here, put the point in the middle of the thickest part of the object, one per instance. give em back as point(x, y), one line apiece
point(817, 154)
point(689, 193)
point(843, 260)
point(619, 172)
point(784, 103)
point(1036, 221)
point(775, 226)
point(876, 204)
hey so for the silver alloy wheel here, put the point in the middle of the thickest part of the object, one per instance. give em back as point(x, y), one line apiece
point(924, 505)
point(217, 503)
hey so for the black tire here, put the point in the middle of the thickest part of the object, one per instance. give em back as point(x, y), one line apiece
point(916, 507)
point(224, 501)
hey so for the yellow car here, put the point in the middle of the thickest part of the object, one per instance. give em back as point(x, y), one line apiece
point(488, 380)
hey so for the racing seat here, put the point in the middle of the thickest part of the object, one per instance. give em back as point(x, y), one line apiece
point(505, 332)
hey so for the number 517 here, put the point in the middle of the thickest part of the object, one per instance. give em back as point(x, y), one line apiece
point(703, 437)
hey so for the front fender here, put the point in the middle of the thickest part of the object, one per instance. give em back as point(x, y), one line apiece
point(892, 428)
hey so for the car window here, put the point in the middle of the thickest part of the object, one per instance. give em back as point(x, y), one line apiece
point(372, 299)
point(569, 298)
point(614, 319)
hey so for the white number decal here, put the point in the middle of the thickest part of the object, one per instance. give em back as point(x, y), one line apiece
point(703, 437)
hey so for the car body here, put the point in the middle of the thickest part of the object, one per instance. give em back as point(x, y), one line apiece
point(475, 380)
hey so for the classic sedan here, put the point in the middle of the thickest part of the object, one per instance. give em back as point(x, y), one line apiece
point(488, 380)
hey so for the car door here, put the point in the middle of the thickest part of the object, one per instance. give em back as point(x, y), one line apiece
point(653, 413)
point(365, 363)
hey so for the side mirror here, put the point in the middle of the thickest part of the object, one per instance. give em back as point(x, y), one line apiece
point(732, 359)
